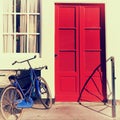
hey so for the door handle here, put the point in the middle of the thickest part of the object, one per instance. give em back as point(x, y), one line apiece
point(56, 55)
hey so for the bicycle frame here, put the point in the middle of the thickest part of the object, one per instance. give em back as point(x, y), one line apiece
point(27, 101)
point(34, 87)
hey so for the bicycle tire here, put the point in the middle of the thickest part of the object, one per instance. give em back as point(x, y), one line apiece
point(45, 98)
point(8, 106)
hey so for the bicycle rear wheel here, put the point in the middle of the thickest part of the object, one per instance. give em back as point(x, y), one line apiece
point(8, 103)
point(45, 98)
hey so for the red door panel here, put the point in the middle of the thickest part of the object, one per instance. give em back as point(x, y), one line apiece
point(67, 16)
point(67, 74)
point(79, 50)
point(93, 83)
point(67, 39)
point(92, 15)
point(92, 39)
point(67, 61)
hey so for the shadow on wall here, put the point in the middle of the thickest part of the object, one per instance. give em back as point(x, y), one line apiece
point(92, 86)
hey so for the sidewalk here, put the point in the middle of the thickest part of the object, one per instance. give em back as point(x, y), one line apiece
point(72, 111)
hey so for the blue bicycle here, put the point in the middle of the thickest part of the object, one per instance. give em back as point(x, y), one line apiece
point(15, 97)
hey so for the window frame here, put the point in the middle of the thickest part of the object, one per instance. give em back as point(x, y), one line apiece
point(14, 14)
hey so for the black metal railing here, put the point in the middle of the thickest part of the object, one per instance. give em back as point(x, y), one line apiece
point(113, 87)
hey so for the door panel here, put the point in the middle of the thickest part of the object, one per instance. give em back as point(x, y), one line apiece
point(93, 81)
point(67, 74)
point(92, 16)
point(69, 88)
point(92, 38)
point(67, 39)
point(67, 61)
point(67, 16)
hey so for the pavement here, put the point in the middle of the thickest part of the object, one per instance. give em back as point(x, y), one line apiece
point(72, 111)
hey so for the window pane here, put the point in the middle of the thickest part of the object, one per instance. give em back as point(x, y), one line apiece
point(18, 4)
point(17, 23)
point(34, 7)
point(23, 23)
point(8, 24)
point(8, 43)
point(21, 44)
point(21, 6)
point(34, 24)
point(33, 43)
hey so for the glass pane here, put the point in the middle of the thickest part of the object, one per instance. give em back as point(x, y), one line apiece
point(18, 5)
point(17, 23)
point(34, 24)
point(8, 44)
point(21, 6)
point(22, 24)
point(34, 6)
point(21, 44)
point(8, 24)
point(33, 43)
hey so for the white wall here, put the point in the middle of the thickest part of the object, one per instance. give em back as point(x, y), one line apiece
point(112, 34)
point(113, 38)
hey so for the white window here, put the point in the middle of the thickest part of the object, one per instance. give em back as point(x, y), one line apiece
point(21, 26)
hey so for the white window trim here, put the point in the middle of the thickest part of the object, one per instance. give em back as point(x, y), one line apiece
point(16, 33)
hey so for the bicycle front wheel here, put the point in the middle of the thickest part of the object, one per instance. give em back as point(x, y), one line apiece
point(46, 98)
point(8, 107)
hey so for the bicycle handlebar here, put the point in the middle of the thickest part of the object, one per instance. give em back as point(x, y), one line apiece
point(24, 60)
point(27, 60)
point(14, 62)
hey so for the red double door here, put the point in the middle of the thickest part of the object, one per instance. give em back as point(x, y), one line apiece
point(80, 72)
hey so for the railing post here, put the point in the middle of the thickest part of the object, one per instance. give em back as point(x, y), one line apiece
point(113, 88)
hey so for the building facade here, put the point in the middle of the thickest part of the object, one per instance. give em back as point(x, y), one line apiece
point(74, 38)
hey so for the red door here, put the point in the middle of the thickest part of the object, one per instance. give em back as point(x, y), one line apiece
point(79, 49)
